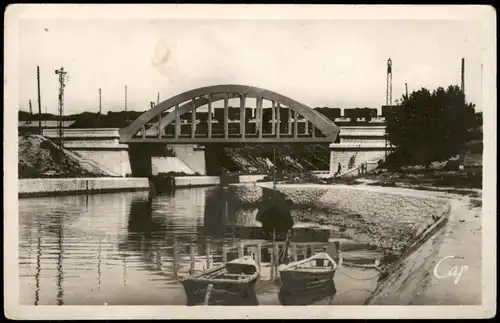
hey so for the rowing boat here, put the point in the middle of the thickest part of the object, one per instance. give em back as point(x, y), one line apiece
point(310, 273)
point(233, 280)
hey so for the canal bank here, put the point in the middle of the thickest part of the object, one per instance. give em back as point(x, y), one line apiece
point(435, 237)
point(380, 217)
point(64, 186)
point(443, 267)
point(94, 185)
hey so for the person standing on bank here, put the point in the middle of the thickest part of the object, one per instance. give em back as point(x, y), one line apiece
point(339, 168)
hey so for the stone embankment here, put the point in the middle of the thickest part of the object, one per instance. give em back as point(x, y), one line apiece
point(383, 218)
point(63, 186)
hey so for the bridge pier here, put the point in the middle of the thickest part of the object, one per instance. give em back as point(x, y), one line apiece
point(140, 160)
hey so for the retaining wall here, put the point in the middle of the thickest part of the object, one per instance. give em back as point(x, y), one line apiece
point(60, 186)
point(169, 164)
point(192, 156)
point(115, 160)
point(189, 181)
point(250, 178)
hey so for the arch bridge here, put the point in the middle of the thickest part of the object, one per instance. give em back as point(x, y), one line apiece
point(274, 119)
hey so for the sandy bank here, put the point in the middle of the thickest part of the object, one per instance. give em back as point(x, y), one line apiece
point(385, 218)
point(420, 278)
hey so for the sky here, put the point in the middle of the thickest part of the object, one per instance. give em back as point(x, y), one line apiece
point(334, 63)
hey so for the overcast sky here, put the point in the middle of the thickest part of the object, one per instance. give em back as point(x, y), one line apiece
point(335, 63)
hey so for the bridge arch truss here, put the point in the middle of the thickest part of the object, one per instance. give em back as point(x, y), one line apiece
point(281, 120)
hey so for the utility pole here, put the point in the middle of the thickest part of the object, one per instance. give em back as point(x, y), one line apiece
point(31, 114)
point(39, 101)
point(158, 99)
point(100, 93)
point(406, 88)
point(62, 80)
point(462, 74)
point(99, 115)
point(126, 119)
point(481, 101)
point(388, 95)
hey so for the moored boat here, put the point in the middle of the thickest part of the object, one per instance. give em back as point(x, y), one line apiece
point(310, 273)
point(234, 280)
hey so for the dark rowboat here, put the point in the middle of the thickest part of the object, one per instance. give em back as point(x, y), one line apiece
point(310, 273)
point(234, 281)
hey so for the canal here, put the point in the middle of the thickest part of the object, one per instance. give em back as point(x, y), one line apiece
point(132, 249)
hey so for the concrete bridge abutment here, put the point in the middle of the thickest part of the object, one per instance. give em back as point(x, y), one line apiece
point(140, 160)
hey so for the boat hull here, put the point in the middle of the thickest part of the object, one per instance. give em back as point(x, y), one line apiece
point(230, 283)
point(226, 293)
point(307, 296)
point(298, 280)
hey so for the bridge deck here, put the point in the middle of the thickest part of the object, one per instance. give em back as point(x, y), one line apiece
point(206, 140)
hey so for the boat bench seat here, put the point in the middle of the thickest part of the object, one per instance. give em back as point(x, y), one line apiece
point(236, 275)
point(314, 268)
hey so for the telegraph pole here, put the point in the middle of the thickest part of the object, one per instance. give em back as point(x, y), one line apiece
point(99, 115)
point(62, 80)
point(406, 88)
point(39, 101)
point(100, 92)
point(388, 95)
point(462, 74)
point(126, 121)
point(158, 99)
point(31, 114)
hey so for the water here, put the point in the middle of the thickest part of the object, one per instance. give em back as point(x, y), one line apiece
point(118, 249)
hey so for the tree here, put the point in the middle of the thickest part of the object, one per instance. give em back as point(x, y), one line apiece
point(427, 127)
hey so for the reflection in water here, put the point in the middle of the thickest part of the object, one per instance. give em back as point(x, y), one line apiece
point(116, 248)
point(38, 267)
point(60, 274)
point(124, 262)
point(139, 220)
point(123, 248)
point(99, 266)
point(307, 296)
